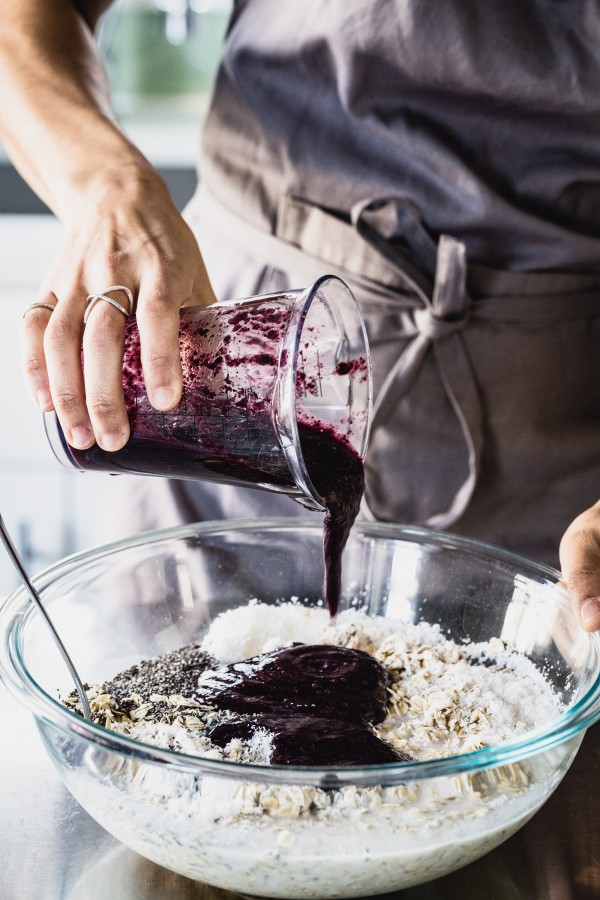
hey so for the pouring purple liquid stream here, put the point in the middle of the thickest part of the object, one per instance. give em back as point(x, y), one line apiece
point(338, 474)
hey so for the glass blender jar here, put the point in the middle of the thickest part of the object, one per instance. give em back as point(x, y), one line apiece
point(264, 378)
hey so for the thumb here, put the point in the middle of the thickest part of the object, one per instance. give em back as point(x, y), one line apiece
point(580, 564)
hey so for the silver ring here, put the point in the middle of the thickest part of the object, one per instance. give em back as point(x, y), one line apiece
point(92, 299)
point(38, 305)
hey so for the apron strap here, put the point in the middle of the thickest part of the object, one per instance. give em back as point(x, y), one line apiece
point(437, 323)
point(310, 241)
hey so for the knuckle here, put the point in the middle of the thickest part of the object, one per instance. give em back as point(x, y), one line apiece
point(106, 319)
point(61, 331)
point(585, 543)
point(34, 322)
point(154, 309)
point(32, 365)
point(66, 400)
point(115, 259)
point(580, 581)
point(580, 555)
point(580, 578)
point(102, 407)
point(170, 265)
point(158, 360)
point(104, 340)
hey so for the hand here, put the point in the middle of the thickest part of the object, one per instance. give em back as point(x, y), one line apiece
point(580, 563)
point(131, 235)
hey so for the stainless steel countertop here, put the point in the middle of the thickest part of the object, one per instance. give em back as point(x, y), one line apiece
point(50, 849)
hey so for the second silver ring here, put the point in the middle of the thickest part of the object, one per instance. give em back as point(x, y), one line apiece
point(93, 298)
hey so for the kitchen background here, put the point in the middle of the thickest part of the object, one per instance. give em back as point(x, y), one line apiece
point(161, 56)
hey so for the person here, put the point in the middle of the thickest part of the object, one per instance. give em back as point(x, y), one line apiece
point(443, 159)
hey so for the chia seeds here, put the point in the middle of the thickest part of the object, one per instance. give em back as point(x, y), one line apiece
point(163, 686)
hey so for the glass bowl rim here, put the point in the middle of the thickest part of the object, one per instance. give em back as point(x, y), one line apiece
point(17, 609)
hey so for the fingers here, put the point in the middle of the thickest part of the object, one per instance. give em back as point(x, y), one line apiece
point(158, 326)
point(161, 297)
point(158, 322)
point(35, 320)
point(50, 342)
point(103, 374)
point(90, 404)
point(62, 352)
point(580, 563)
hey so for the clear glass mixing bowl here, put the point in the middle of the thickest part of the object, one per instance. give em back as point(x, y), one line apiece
point(282, 831)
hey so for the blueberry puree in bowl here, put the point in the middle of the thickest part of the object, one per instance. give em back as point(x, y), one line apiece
point(316, 703)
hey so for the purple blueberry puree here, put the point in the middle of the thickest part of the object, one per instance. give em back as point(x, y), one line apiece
point(317, 703)
point(337, 473)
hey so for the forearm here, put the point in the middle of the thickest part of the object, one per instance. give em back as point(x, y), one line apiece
point(122, 226)
point(56, 121)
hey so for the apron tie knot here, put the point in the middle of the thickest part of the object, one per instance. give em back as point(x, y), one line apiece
point(435, 328)
point(448, 309)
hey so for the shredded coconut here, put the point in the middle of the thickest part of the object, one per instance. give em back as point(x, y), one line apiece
point(444, 698)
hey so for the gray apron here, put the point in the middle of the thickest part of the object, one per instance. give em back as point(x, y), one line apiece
point(446, 164)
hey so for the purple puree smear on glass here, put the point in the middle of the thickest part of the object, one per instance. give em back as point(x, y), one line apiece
point(316, 702)
point(223, 428)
